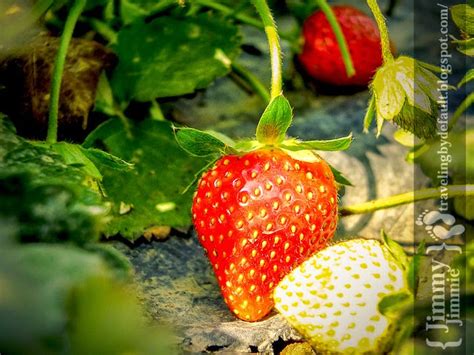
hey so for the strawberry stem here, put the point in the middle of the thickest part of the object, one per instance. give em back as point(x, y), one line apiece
point(341, 40)
point(58, 69)
point(384, 37)
point(274, 45)
point(103, 29)
point(463, 106)
point(405, 198)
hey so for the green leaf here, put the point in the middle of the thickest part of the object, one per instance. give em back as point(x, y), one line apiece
point(42, 198)
point(389, 93)
point(428, 66)
point(101, 158)
point(105, 129)
point(380, 121)
point(402, 339)
point(73, 154)
point(28, 318)
point(9, 140)
point(463, 17)
point(369, 114)
point(414, 268)
point(406, 93)
point(395, 303)
point(45, 211)
point(405, 138)
point(396, 250)
point(336, 144)
point(339, 177)
point(275, 121)
point(467, 78)
point(76, 304)
point(426, 81)
point(409, 75)
point(162, 170)
point(200, 143)
point(118, 262)
point(45, 167)
point(465, 46)
point(171, 57)
point(418, 122)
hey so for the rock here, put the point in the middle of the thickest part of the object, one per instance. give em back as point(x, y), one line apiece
point(180, 289)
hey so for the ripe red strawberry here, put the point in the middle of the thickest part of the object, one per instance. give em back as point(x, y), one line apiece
point(321, 56)
point(258, 216)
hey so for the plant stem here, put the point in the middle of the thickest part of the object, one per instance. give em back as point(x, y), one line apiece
point(274, 45)
point(155, 111)
point(126, 124)
point(252, 81)
point(103, 29)
point(341, 40)
point(463, 106)
point(405, 198)
point(58, 69)
point(384, 37)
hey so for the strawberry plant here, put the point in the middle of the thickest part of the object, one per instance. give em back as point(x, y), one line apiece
point(148, 174)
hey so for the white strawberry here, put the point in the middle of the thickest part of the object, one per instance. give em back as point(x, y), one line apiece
point(332, 298)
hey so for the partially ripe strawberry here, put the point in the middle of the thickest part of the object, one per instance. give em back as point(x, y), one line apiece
point(332, 298)
point(259, 215)
point(321, 56)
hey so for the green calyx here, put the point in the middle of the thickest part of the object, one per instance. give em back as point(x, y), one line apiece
point(271, 134)
point(404, 91)
point(275, 121)
point(463, 17)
